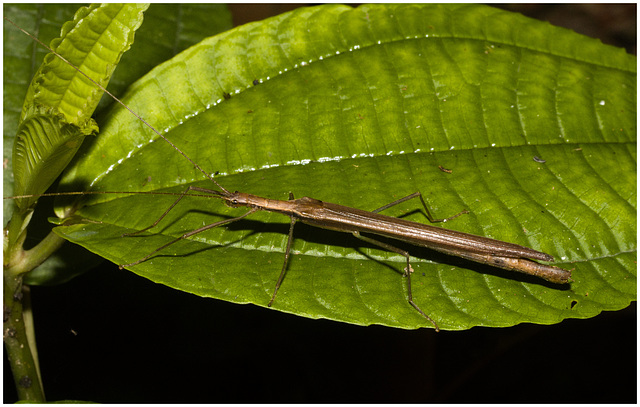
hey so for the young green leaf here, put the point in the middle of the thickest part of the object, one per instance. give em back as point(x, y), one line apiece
point(56, 114)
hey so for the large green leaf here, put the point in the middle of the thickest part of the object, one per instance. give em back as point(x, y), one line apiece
point(360, 107)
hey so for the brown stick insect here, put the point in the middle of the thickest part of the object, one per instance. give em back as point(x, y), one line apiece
point(341, 218)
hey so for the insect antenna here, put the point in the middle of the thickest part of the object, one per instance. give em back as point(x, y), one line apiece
point(210, 194)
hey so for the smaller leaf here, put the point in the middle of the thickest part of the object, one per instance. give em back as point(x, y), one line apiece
point(56, 115)
point(44, 145)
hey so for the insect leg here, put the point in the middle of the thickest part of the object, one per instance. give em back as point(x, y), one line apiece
point(407, 271)
point(163, 215)
point(419, 195)
point(186, 235)
point(286, 256)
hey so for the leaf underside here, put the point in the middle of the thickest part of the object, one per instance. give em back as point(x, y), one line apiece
point(361, 107)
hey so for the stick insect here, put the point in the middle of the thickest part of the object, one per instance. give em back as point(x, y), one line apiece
point(345, 219)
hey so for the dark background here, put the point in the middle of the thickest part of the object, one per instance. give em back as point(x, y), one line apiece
point(111, 336)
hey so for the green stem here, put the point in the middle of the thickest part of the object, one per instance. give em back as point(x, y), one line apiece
point(27, 315)
point(23, 261)
point(16, 342)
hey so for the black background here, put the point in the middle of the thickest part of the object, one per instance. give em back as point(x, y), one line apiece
point(111, 336)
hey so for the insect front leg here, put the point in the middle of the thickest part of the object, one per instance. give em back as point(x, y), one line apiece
point(187, 235)
point(163, 215)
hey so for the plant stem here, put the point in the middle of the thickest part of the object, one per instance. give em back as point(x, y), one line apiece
point(18, 340)
point(24, 369)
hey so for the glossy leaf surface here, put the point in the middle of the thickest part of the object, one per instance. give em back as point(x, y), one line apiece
point(360, 107)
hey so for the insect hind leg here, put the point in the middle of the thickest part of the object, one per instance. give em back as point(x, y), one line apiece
point(407, 271)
